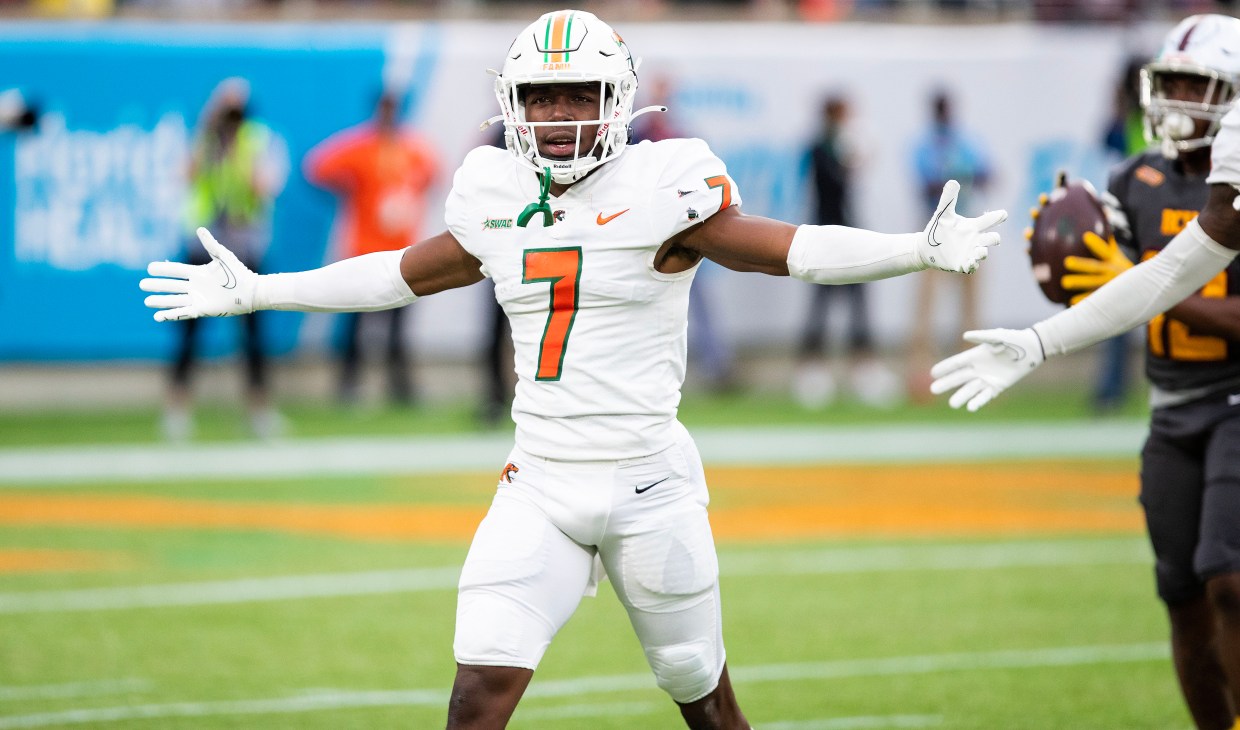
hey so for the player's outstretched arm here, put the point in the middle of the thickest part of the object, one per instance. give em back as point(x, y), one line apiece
point(950, 242)
point(1003, 357)
point(843, 255)
point(226, 287)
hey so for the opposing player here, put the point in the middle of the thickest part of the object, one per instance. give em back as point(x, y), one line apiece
point(1190, 466)
point(592, 246)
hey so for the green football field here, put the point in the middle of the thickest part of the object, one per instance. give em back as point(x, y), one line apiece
point(909, 570)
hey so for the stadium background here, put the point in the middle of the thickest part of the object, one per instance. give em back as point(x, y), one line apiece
point(912, 567)
point(97, 191)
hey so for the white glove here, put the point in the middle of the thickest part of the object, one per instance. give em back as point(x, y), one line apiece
point(222, 288)
point(953, 243)
point(1001, 358)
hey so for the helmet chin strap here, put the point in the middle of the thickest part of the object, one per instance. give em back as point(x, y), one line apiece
point(542, 206)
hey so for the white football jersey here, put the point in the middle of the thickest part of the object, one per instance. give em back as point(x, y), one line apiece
point(1225, 152)
point(599, 334)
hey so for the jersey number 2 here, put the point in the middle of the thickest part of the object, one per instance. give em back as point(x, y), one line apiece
point(1171, 338)
point(561, 267)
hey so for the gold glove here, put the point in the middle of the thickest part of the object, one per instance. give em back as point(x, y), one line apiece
point(1091, 272)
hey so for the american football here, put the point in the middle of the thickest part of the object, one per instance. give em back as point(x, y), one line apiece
point(1063, 216)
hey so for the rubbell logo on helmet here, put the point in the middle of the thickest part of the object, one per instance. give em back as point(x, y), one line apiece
point(568, 46)
point(1205, 46)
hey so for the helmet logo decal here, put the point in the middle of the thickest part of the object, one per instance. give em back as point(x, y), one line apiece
point(1189, 34)
point(556, 38)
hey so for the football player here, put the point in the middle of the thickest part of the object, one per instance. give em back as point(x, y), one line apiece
point(592, 245)
point(1190, 466)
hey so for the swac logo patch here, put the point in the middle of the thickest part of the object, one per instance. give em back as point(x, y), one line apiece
point(509, 469)
point(491, 224)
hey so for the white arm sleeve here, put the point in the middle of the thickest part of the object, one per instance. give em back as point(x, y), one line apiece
point(842, 255)
point(365, 283)
point(1190, 260)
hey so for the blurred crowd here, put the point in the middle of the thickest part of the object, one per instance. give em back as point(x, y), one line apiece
point(1058, 11)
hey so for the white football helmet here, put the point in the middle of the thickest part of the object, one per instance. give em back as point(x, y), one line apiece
point(568, 46)
point(1201, 45)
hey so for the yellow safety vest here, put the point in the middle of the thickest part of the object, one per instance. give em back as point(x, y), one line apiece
point(223, 187)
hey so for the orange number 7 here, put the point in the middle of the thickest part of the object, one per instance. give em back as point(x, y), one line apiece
point(562, 268)
point(726, 184)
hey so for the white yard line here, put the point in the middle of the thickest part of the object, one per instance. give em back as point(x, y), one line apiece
point(244, 590)
point(843, 669)
point(965, 661)
point(733, 563)
point(592, 709)
point(939, 442)
point(974, 556)
point(867, 722)
point(73, 689)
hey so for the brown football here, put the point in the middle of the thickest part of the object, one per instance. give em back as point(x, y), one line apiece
point(1069, 210)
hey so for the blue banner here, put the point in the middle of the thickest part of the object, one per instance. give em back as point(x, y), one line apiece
point(97, 189)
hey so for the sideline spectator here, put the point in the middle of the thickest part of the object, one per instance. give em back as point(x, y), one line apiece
point(382, 174)
point(237, 168)
point(831, 160)
point(944, 152)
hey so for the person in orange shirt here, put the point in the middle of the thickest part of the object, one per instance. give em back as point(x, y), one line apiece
point(382, 173)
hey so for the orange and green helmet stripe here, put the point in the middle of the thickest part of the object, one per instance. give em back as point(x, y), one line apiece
point(556, 37)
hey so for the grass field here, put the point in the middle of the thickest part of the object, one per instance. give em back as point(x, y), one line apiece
point(867, 592)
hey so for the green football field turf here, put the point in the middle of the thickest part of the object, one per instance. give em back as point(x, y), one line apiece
point(224, 422)
point(977, 594)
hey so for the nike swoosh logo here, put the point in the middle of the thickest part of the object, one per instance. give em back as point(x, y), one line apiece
point(934, 227)
point(604, 220)
point(230, 279)
point(648, 487)
point(1018, 353)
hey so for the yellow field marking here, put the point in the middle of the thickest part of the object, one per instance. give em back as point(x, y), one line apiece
point(49, 561)
point(924, 500)
point(379, 521)
point(748, 504)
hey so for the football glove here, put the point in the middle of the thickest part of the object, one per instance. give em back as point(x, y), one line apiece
point(222, 288)
point(951, 242)
point(1001, 358)
point(1091, 272)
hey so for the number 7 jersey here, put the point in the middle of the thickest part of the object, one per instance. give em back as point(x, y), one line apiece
point(599, 334)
